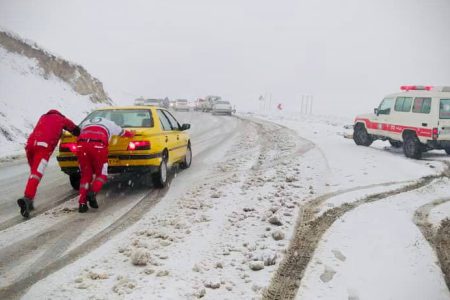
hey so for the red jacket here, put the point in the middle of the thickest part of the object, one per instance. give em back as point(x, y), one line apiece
point(101, 130)
point(49, 128)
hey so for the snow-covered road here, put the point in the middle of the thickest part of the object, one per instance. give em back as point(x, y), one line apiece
point(56, 234)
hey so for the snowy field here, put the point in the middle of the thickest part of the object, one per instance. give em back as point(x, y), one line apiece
point(224, 227)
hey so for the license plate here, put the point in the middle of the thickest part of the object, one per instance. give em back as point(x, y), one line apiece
point(113, 161)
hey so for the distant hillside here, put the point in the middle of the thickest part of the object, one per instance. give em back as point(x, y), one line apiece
point(33, 81)
point(74, 75)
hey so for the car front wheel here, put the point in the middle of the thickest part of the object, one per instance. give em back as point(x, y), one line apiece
point(361, 137)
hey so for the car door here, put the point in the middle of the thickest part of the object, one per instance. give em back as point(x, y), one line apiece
point(169, 137)
point(180, 136)
point(382, 118)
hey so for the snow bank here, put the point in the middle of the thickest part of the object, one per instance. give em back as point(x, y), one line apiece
point(25, 94)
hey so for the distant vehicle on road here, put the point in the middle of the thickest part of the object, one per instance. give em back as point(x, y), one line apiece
point(154, 102)
point(222, 107)
point(417, 119)
point(159, 143)
point(209, 102)
point(199, 103)
point(181, 105)
point(166, 103)
point(139, 101)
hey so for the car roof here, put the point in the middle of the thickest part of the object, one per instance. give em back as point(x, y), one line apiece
point(433, 94)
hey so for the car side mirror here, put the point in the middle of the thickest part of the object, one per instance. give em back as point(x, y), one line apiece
point(375, 111)
point(185, 127)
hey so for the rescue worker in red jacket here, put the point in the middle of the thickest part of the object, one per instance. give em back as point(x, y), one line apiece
point(92, 152)
point(40, 145)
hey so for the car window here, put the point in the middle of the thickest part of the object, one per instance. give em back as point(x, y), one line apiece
point(173, 122)
point(165, 124)
point(422, 105)
point(128, 118)
point(385, 106)
point(403, 104)
point(444, 109)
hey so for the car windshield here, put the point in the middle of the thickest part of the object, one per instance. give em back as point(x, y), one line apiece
point(223, 102)
point(182, 101)
point(127, 118)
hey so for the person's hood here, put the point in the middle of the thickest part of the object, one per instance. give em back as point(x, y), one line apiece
point(53, 112)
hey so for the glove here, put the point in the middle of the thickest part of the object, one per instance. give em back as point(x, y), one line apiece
point(76, 131)
point(128, 133)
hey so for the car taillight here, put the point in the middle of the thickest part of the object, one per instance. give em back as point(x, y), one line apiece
point(139, 145)
point(435, 134)
point(68, 147)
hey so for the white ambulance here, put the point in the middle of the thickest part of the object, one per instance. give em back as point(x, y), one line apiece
point(418, 119)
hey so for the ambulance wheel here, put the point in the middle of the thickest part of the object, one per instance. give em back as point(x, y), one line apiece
point(412, 147)
point(186, 163)
point(160, 177)
point(75, 181)
point(396, 144)
point(361, 137)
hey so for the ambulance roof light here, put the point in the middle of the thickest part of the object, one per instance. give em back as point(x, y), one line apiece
point(416, 87)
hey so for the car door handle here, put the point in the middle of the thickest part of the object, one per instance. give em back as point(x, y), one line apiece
point(167, 138)
point(178, 137)
point(424, 124)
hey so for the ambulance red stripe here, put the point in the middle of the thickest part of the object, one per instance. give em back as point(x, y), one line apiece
point(420, 131)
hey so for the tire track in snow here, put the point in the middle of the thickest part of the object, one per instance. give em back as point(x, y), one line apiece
point(16, 289)
point(310, 229)
point(38, 211)
point(439, 239)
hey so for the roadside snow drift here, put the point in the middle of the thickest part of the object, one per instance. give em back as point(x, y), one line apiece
point(27, 91)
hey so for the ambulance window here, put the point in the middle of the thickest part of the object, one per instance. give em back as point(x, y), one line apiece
point(403, 104)
point(444, 109)
point(385, 106)
point(422, 105)
point(165, 124)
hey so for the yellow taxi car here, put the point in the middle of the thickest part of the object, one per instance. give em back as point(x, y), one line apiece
point(159, 143)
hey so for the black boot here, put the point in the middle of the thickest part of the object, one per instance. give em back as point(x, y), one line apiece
point(92, 200)
point(26, 205)
point(83, 208)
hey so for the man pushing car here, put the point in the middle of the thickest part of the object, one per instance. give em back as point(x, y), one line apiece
point(40, 145)
point(92, 153)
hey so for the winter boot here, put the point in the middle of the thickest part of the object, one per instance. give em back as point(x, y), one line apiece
point(26, 205)
point(83, 208)
point(92, 200)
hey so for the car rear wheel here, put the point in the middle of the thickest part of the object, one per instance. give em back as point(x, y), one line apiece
point(396, 144)
point(412, 146)
point(361, 137)
point(160, 177)
point(447, 150)
point(75, 181)
point(186, 163)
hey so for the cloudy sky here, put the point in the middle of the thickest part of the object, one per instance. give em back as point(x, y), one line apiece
point(348, 53)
